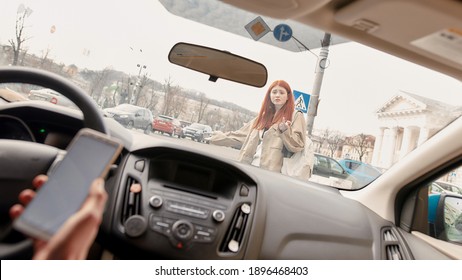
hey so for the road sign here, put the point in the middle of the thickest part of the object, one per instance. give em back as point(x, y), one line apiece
point(301, 101)
point(282, 32)
point(257, 28)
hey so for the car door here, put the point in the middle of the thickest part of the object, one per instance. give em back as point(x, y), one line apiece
point(321, 166)
point(139, 118)
point(336, 170)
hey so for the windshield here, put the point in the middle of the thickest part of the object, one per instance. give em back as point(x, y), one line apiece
point(372, 109)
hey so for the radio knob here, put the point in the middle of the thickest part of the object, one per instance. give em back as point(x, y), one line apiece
point(183, 230)
point(218, 216)
point(156, 201)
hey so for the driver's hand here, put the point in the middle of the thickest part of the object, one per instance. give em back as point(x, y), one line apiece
point(74, 238)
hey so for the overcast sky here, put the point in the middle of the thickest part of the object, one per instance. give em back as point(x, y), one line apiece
point(358, 81)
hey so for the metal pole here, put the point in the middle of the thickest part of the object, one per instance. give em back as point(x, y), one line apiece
point(319, 73)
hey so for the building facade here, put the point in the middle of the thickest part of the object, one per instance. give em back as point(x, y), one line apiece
point(406, 121)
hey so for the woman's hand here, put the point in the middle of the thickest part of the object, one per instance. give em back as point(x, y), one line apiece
point(284, 125)
point(74, 238)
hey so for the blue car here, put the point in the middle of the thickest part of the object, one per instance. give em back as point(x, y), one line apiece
point(363, 173)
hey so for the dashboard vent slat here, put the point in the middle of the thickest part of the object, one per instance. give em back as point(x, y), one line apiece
point(393, 248)
point(131, 201)
point(235, 233)
point(394, 252)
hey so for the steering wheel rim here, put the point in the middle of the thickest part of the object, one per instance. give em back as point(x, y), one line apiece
point(92, 118)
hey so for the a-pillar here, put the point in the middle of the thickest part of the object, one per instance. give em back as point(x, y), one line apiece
point(376, 156)
point(392, 148)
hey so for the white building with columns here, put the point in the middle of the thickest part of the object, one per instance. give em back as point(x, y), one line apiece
point(406, 121)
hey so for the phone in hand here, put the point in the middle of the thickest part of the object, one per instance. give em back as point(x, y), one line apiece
point(89, 156)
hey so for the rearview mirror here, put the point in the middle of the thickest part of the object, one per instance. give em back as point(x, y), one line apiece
point(219, 64)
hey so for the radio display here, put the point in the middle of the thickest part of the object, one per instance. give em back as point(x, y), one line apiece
point(194, 176)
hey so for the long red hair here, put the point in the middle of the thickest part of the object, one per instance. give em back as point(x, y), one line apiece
point(268, 116)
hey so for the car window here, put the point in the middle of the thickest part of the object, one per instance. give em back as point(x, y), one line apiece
point(164, 118)
point(335, 166)
point(353, 165)
point(322, 161)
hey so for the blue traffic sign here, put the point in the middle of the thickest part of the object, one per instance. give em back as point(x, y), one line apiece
point(282, 32)
point(301, 101)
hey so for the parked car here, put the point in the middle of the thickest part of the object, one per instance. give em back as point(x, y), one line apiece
point(131, 116)
point(197, 132)
point(166, 124)
point(51, 96)
point(328, 167)
point(449, 187)
point(363, 173)
point(183, 125)
point(332, 172)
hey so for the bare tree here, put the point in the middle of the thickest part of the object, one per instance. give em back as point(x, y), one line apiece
point(141, 83)
point(150, 97)
point(44, 60)
point(361, 143)
point(98, 80)
point(236, 121)
point(214, 118)
point(203, 103)
point(334, 142)
point(179, 104)
point(20, 37)
point(169, 98)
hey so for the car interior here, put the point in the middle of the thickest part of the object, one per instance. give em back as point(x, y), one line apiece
point(196, 204)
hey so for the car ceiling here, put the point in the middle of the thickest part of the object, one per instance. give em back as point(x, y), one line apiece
point(406, 34)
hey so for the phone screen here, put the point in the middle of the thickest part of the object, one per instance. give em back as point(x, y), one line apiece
point(67, 187)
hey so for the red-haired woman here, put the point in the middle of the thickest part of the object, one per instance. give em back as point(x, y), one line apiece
point(263, 139)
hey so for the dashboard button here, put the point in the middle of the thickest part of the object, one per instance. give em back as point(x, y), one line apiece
point(244, 191)
point(218, 216)
point(156, 201)
point(139, 165)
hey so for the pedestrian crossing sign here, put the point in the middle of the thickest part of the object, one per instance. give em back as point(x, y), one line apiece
point(301, 101)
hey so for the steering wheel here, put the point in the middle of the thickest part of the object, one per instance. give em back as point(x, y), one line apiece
point(22, 161)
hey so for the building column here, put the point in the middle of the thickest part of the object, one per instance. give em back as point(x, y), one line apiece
point(406, 144)
point(378, 147)
point(423, 135)
point(392, 151)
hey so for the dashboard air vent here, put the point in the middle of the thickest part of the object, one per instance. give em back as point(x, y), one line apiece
point(132, 199)
point(235, 234)
point(392, 246)
point(388, 235)
point(393, 252)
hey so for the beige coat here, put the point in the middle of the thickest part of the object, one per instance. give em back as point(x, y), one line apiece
point(272, 144)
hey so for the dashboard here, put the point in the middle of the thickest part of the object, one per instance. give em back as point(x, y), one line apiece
point(199, 208)
point(28, 121)
point(168, 200)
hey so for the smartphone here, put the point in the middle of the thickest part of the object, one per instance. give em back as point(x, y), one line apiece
point(89, 156)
